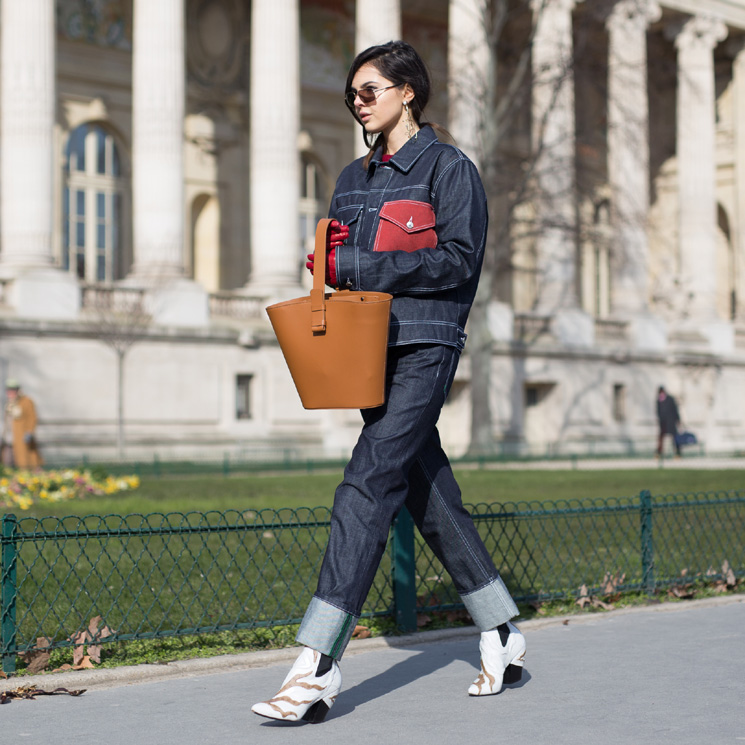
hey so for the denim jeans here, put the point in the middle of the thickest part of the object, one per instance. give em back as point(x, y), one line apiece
point(398, 460)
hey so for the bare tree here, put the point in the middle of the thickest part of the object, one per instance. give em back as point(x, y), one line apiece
point(118, 318)
point(536, 174)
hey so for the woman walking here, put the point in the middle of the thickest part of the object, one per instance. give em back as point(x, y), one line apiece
point(411, 220)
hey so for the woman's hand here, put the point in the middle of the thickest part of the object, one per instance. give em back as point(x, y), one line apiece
point(335, 237)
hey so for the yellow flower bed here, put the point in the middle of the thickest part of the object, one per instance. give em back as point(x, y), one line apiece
point(21, 489)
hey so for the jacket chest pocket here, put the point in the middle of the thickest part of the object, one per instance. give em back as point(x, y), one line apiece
point(406, 225)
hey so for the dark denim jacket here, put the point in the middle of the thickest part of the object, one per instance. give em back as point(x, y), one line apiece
point(417, 229)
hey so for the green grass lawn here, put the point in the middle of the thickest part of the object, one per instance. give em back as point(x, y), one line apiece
point(256, 492)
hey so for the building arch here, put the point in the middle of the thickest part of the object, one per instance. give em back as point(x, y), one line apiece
point(205, 241)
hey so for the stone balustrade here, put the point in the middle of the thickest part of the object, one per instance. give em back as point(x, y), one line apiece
point(236, 307)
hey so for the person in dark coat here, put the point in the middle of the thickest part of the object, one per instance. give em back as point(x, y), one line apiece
point(669, 419)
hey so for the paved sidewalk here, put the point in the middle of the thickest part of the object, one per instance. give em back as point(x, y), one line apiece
point(670, 673)
point(600, 463)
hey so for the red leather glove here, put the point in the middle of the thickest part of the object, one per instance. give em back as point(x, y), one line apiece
point(337, 234)
point(330, 266)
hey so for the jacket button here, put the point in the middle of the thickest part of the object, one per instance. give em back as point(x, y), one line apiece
point(349, 283)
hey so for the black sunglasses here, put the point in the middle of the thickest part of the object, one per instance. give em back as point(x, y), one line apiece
point(367, 95)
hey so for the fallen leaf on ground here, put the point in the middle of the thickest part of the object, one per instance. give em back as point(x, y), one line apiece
point(360, 632)
point(31, 692)
point(97, 634)
point(729, 575)
point(37, 659)
point(78, 652)
point(584, 597)
point(684, 592)
point(84, 664)
point(94, 652)
point(611, 583)
point(38, 662)
point(598, 603)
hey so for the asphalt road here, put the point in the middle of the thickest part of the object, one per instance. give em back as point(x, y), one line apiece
point(671, 673)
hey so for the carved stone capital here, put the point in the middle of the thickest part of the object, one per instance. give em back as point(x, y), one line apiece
point(542, 6)
point(624, 15)
point(700, 32)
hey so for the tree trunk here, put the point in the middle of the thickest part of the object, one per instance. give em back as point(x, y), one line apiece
point(480, 351)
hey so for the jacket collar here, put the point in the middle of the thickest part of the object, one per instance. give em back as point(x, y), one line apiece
point(405, 158)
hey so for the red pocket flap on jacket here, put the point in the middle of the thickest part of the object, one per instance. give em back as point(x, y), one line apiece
point(409, 215)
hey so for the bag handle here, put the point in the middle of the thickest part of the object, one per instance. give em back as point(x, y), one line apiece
point(318, 293)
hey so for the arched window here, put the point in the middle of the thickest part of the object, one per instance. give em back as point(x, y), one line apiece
point(92, 205)
point(205, 241)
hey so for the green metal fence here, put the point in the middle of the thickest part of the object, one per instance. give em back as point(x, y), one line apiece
point(159, 575)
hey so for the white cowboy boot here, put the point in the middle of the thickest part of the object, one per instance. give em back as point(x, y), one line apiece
point(308, 691)
point(502, 659)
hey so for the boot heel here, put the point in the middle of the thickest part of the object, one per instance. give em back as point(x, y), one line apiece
point(317, 713)
point(512, 674)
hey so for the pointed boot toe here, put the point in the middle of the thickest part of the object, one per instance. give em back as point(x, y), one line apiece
point(308, 691)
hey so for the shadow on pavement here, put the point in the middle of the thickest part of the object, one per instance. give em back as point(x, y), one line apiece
point(406, 672)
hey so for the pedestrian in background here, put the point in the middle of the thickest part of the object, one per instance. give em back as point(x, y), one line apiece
point(19, 434)
point(668, 418)
point(414, 214)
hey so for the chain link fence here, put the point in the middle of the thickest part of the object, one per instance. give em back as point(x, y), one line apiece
point(157, 575)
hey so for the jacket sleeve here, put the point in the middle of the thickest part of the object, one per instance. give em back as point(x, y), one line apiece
point(459, 203)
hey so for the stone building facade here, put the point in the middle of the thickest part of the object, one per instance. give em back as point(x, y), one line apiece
point(163, 164)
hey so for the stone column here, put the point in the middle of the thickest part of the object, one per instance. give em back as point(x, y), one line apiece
point(158, 81)
point(376, 22)
point(470, 75)
point(553, 137)
point(274, 158)
point(27, 116)
point(628, 152)
point(696, 132)
point(27, 110)
point(472, 84)
point(738, 117)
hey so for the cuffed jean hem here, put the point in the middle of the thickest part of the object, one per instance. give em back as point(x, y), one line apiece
point(326, 628)
point(490, 605)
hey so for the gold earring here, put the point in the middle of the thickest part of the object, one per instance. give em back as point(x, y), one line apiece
point(407, 122)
